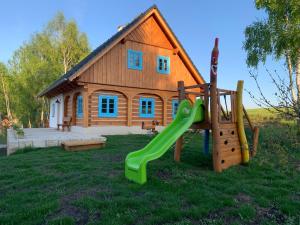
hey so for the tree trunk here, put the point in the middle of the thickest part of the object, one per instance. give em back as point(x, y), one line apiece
point(5, 93)
point(298, 92)
point(291, 82)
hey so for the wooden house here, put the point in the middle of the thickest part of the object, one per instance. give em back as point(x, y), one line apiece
point(130, 78)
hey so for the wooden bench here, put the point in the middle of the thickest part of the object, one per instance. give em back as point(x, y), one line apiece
point(151, 126)
point(82, 145)
point(66, 123)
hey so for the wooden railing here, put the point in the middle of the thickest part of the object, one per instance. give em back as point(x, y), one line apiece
point(203, 93)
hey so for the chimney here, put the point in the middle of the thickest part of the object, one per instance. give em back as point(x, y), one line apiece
point(121, 27)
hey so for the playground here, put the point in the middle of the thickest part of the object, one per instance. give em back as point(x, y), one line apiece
point(90, 187)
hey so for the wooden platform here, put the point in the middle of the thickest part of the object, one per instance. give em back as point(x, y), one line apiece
point(82, 145)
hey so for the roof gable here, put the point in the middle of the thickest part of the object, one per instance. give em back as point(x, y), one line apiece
point(149, 32)
point(84, 64)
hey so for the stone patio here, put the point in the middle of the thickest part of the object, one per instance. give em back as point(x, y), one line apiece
point(46, 137)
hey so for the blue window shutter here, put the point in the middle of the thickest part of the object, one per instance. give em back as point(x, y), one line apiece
point(132, 57)
point(174, 107)
point(163, 70)
point(107, 99)
point(147, 102)
point(99, 105)
point(79, 107)
point(116, 106)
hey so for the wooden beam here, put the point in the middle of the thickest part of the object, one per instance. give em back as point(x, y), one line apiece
point(179, 142)
point(165, 109)
point(129, 110)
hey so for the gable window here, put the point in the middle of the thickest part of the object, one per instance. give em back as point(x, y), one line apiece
point(107, 106)
point(175, 105)
point(147, 106)
point(53, 109)
point(134, 60)
point(163, 64)
point(79, 110)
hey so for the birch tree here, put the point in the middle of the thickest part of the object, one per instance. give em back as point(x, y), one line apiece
point(5, 91)
point(277, 36)
point(41, 60)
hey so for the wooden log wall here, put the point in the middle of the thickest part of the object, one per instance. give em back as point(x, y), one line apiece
point(95, 120)
point(111, 68)
point(136, 119)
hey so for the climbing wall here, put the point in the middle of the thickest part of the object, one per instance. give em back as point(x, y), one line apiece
point(230, 149)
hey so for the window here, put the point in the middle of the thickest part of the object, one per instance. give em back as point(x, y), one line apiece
point(135, 60)
point(174, 108)
point(163, 64)
point(147, 106)
point(79, 111)
point(53, 109)
point(107, 106)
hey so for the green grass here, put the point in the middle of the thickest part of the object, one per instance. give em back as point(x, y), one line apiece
point(51, 186)
point(2, 137)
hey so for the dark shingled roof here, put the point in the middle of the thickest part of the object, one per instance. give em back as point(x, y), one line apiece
point(66, 76)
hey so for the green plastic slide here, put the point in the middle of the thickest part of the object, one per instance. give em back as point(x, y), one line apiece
point(135, 163)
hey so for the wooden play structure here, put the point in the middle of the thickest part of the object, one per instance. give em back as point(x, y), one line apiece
point(201, 108)
point(226, 124)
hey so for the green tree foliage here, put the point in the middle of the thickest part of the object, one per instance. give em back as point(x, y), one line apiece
point(278, 36)
point(4, 91)
point(40, 61)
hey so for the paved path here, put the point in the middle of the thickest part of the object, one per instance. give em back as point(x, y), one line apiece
point(45, 137)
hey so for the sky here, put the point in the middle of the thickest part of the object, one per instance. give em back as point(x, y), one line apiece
point(196, 23)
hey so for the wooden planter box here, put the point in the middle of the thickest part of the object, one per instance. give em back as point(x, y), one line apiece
point(82, 145)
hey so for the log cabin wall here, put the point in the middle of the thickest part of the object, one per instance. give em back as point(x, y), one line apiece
point(170, 109)
point(95, 120)
point(158, 110)
point(148, 38)
point(110, 75)
point(71, 98)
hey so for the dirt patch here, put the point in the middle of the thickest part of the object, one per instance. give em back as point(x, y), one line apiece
point(243, 198)
point(164, 174)
point(67, 208)
point(269, 213)
point(220, 214)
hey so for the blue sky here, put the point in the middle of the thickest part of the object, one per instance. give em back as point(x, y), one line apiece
point(195, 23)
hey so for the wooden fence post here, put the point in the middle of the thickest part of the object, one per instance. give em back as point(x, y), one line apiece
point(179, 142)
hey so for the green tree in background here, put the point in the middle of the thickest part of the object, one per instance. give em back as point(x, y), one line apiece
point(40, 61)
point(278, 36)
point(4, 95)
point(71, 44)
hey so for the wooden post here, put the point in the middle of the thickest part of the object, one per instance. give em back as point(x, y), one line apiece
point(165, 111)
point(179, 142)
point(255, 140)
point(129, 110)
point(74, 97)
point(85, 107)
point(214, 110)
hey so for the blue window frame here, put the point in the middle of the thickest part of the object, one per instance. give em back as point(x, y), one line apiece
point(163, 64)
point(175, 105)
point(134, 60)
point(147, 107)
point(107, 106)
point(79, 111)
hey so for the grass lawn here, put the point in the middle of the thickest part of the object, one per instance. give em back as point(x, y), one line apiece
point(51, 186)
